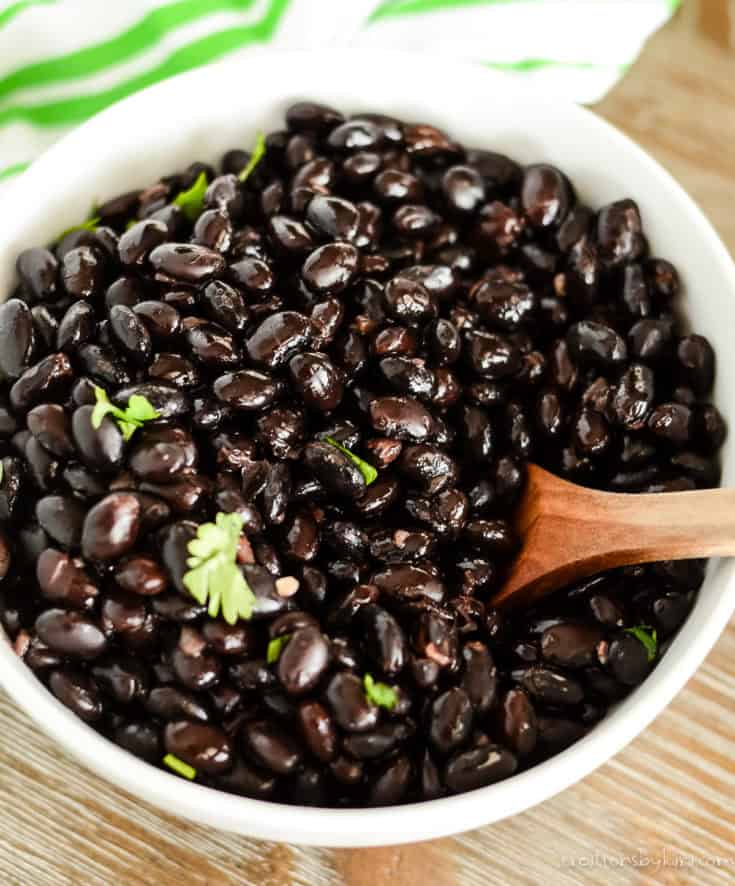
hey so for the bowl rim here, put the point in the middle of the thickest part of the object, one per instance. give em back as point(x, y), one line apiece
point(416, 821)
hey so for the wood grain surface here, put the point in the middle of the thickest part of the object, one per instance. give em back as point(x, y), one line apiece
point(663, 811)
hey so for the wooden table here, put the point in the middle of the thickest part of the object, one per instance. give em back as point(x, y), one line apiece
point(672, 792)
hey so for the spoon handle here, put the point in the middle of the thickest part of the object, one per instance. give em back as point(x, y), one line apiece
point(570, 532)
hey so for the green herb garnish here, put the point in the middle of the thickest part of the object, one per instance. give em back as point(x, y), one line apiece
point(89, 225)
point(275, 648)
point(255, 157)
point(650, 641)
point(179, 766)
point(379, 694)
point(131, 224)
point(191, 202)
point(214, 575)
point(2, 472)
point(138, 411)
point(367, 470)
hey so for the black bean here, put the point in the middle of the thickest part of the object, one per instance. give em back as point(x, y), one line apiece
point(479, 679)
point(697, 361)
point(279, 337)
point(70, 633)
point(619, 232)
point(101, 449)
point(38, 272)
point(64, 581)
point(185, 263)
point(170, 703)
point(330, 268)
point(111, 527)
point(78, 692)
point(478, 767)
point(49, 379)
point(272, 747)
point(551, 687)
point(17, 337)
point(634, 396)
point(517, 722)
point(202, 746)
point(672, 422)
point(83, 272)
point(570, 644)
point(316, 380)
point(545, 195)
point(595, 343)
point(350, 706)
point(139, 240)
point(247, 389)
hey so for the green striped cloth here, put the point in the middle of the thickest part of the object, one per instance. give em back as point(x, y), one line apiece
point(63, 60)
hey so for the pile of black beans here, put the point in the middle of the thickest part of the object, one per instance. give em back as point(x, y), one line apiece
point(443, 313)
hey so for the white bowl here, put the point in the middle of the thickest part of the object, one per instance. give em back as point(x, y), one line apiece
point(198, 116)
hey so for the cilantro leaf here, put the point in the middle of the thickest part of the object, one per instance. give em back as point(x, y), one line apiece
point(214, 578)
point(138, 411)
point(275, 648)
point(179, 766)
point(131, 223)
point(379, 694)
point(255, 157)
point(649, 640)
point(367, 470)
point(2, 472)
point(191, 201)
point(89, 225)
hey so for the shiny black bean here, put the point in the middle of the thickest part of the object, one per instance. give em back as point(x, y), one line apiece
point(330, 268)
point(49, 379)
point(545, 195)
point(64, 581)
point(595, 343)
point(111, 527)
point(271, 747)
point(141, 739)
point(100, 449)
point(551, 687)
point(384, 640)
point(451, 720)
point(38, 272)
point(202, 746)
point(478, 767)
point(17, 337)
point(479, 679)
point(404, 582)
point(517, 722)
point(139, 240)
point(672, 423)
point(569, 644)
point(619, 232)
point(61, 517)
point(70, 633)
point(78, 692)
point(278, 338)
point(349, 704)
point(185, 263)
point(83, 272)
point(131, 334)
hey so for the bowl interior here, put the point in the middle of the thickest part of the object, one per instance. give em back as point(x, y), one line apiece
point(198, 116)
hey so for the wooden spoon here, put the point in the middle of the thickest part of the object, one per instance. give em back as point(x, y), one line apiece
point(568, 532)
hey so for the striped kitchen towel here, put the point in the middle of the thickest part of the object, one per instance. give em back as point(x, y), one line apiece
point(63, 60)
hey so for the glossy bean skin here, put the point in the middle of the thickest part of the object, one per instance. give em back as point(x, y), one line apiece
point(204, 747)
